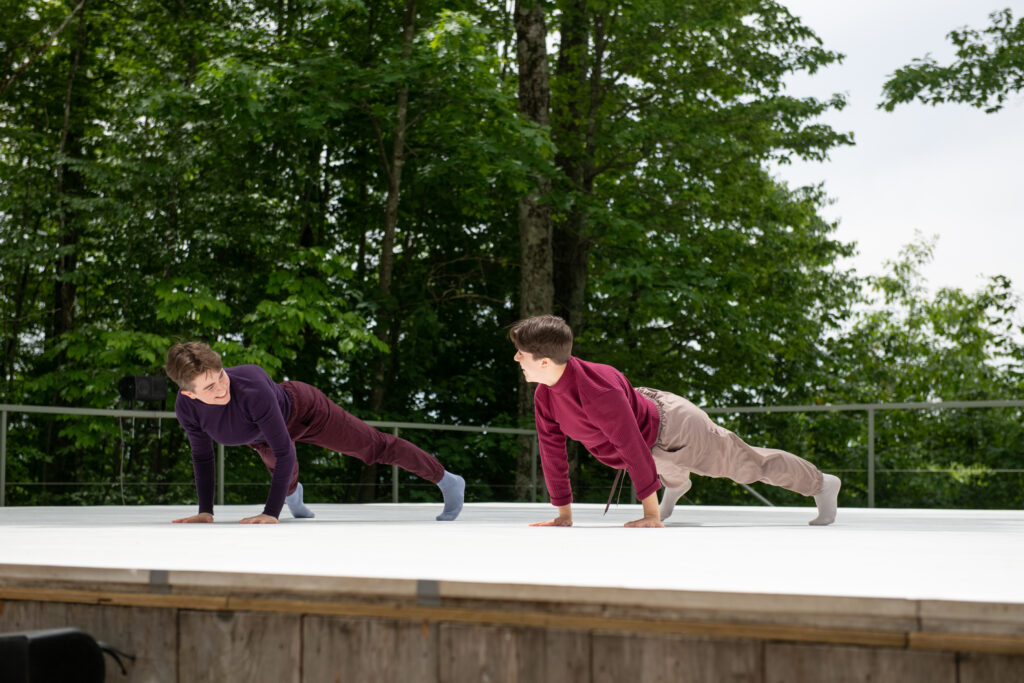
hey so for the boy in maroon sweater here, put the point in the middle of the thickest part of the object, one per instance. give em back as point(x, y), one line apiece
point(653, 435)
point(242, 405)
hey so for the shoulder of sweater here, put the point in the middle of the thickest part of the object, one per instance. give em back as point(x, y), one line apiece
point(183, 404)
point(597, 376)
point(253, 378)
point(247, 371)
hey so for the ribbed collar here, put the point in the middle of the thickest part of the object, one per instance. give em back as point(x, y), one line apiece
point(568, 378)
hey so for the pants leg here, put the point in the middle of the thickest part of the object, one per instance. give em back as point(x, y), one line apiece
point(318, 420)
point(269, 460)
point(690, 441)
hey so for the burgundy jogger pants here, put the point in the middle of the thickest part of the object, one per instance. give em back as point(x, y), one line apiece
point(318, 420)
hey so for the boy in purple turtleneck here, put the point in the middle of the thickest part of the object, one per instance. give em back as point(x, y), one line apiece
point(651, 434)
point(242, 405)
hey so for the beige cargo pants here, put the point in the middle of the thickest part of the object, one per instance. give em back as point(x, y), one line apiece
point(689, 441)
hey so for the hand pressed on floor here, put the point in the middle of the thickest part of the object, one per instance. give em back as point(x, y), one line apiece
point(202, 517)
point(259, 519)
point(557, 521)
point(646, 522)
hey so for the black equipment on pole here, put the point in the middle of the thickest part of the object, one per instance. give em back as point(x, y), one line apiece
point(143, 388)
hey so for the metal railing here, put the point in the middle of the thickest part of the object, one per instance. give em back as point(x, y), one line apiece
point(869, 408)
point(395, 428)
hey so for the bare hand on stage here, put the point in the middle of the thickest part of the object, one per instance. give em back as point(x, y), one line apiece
point(652, 516)
point(557, 521)
point(202, 517)
point(564, 517)
point(259, 519)
point(649, 522)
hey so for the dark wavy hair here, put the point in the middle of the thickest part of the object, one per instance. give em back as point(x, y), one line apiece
point(544, 336)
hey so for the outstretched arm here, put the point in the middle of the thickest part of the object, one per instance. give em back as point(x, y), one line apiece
point(266, 413)
point(203, 465)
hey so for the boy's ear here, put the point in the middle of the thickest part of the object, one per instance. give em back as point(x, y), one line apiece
point(189, 394)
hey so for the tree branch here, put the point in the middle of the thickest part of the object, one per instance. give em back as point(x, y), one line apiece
point(7, 83)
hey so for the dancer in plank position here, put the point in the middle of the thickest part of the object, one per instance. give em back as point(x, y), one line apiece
point(647, 432)
point(242, 405)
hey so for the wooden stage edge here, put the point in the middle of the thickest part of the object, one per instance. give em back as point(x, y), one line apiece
point(874, 622)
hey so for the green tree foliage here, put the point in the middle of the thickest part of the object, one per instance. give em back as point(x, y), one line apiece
point(910, 345)
point(332, 189)
point(905, 344)
point(230, 185)
point(672, 234)
point(989, 67)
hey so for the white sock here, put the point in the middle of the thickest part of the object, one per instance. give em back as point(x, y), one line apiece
point(296, 506)
point(453, 488)
point(827, 500)
point(670, 496)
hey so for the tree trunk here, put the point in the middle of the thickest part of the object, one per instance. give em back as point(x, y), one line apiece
point(571, 131)
point(12, 334)
point(313, 205)
point(312, 221)
point(572, 253)
point(536, 274)
point(68, 184)
point(387, 323)
point(574, 130)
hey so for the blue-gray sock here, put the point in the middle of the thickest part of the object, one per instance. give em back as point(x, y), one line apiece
point(296, 506)
point(453, 488)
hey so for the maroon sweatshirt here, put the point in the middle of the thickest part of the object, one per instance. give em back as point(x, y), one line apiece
point(596, 405)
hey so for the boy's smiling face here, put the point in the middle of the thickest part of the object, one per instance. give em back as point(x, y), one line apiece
point(213, 387)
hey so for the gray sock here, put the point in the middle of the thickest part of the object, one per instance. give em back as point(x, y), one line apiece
point(827, 500)
point(453, 488)
point(296, 506)
point(670, 496)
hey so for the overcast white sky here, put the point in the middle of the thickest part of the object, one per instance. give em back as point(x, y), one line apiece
point(950, 170)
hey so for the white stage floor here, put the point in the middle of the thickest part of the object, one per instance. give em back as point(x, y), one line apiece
point(948, 555)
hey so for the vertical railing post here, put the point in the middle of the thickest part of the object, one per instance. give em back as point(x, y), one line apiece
point(394, 475)
point(3, 458)
point(871, 457)
point(220, 474)
point(534, 454)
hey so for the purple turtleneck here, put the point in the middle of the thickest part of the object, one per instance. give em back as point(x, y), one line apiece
point(258, 411)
